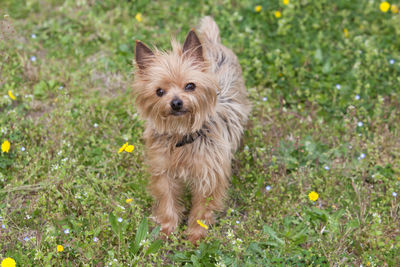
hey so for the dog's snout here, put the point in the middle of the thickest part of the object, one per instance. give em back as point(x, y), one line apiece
point(176, 104)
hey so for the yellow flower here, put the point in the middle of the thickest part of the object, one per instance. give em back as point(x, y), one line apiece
point(128, 200)
point(10, 94)
point(313, 196)
point(8, 262)
point(258, 8)
point(5, 147)
point(394, 9)
point(129, 148)
point(202, 224)
point(60, 248)
point(126, 147)
point(384, 6)
point(286, 2)
point(123, 147)
point(346, 33)
point(398, 178)
point(277, 14)
point(138, 17)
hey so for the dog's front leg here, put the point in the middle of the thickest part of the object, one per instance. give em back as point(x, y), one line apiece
point(203, 210)
point(167, 208)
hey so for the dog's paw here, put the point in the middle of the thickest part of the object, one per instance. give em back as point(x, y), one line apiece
point(168, 228)
point(195, 234)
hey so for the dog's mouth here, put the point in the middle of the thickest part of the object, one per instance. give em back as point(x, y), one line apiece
point(178, 113)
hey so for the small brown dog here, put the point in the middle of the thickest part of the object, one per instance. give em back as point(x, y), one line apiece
point(195, 105)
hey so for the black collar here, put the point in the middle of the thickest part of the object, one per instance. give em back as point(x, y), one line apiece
point(190, 138)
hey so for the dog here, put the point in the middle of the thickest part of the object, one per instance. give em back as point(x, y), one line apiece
point(195, 106)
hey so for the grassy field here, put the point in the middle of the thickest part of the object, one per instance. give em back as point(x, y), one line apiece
point(324, 80)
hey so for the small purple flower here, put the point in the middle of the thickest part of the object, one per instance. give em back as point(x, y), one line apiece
point(338, 86)
point(95, 125)
point(3, 226)
point(360, 124)
point(33, 58)
point(265, 98)
point(119, 219)
point(394, 194)
point(268, 188)
point(23, 149)
point(95, 239)
point(61, 87)
point(326, 167)
point(237, 222)
point(357, 97)
point(66, 231)
point(391, 61)
point(33, 36)
point(26, 238)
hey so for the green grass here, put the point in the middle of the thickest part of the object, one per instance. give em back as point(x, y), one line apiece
point(303, 135)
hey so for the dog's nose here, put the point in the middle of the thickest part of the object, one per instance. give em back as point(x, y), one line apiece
point(176, 104)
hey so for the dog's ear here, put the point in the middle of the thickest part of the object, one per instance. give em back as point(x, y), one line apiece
point(142, 54)
point(192, 47)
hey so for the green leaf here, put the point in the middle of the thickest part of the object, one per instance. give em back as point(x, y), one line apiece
point(140, 235)
point(141, 232)
point(155, 232)
point(154, 247)
point(113, 222)
point(268, 230)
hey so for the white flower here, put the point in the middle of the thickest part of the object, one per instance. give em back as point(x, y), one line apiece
point(357, 97)
point(268, 188)
point(326, 167)
point(394, 194)
point(265, 98)
point(391, 61)
point(22, 149)
point(237, 222)
point(95, 125)
point(95, 239)
point(362, 155)
point(66, 231)
point(61, 87)
point(33, 58)
point(119, 219)
point(338, 86)
point(33, 36)
point(360, 123)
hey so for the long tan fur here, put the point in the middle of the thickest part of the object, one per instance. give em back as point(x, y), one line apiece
point(218, 107)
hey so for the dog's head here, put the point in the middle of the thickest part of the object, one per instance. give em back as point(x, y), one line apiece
point(174, 90)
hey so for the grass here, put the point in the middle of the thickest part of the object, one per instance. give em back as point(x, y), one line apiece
point(312, 75)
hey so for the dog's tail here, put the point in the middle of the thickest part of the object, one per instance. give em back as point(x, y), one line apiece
point(209, 29)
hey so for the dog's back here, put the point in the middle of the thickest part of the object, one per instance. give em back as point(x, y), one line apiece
point(233, 106)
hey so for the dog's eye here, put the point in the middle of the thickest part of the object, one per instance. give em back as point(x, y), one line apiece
point(160, 92)
point(190, 87)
